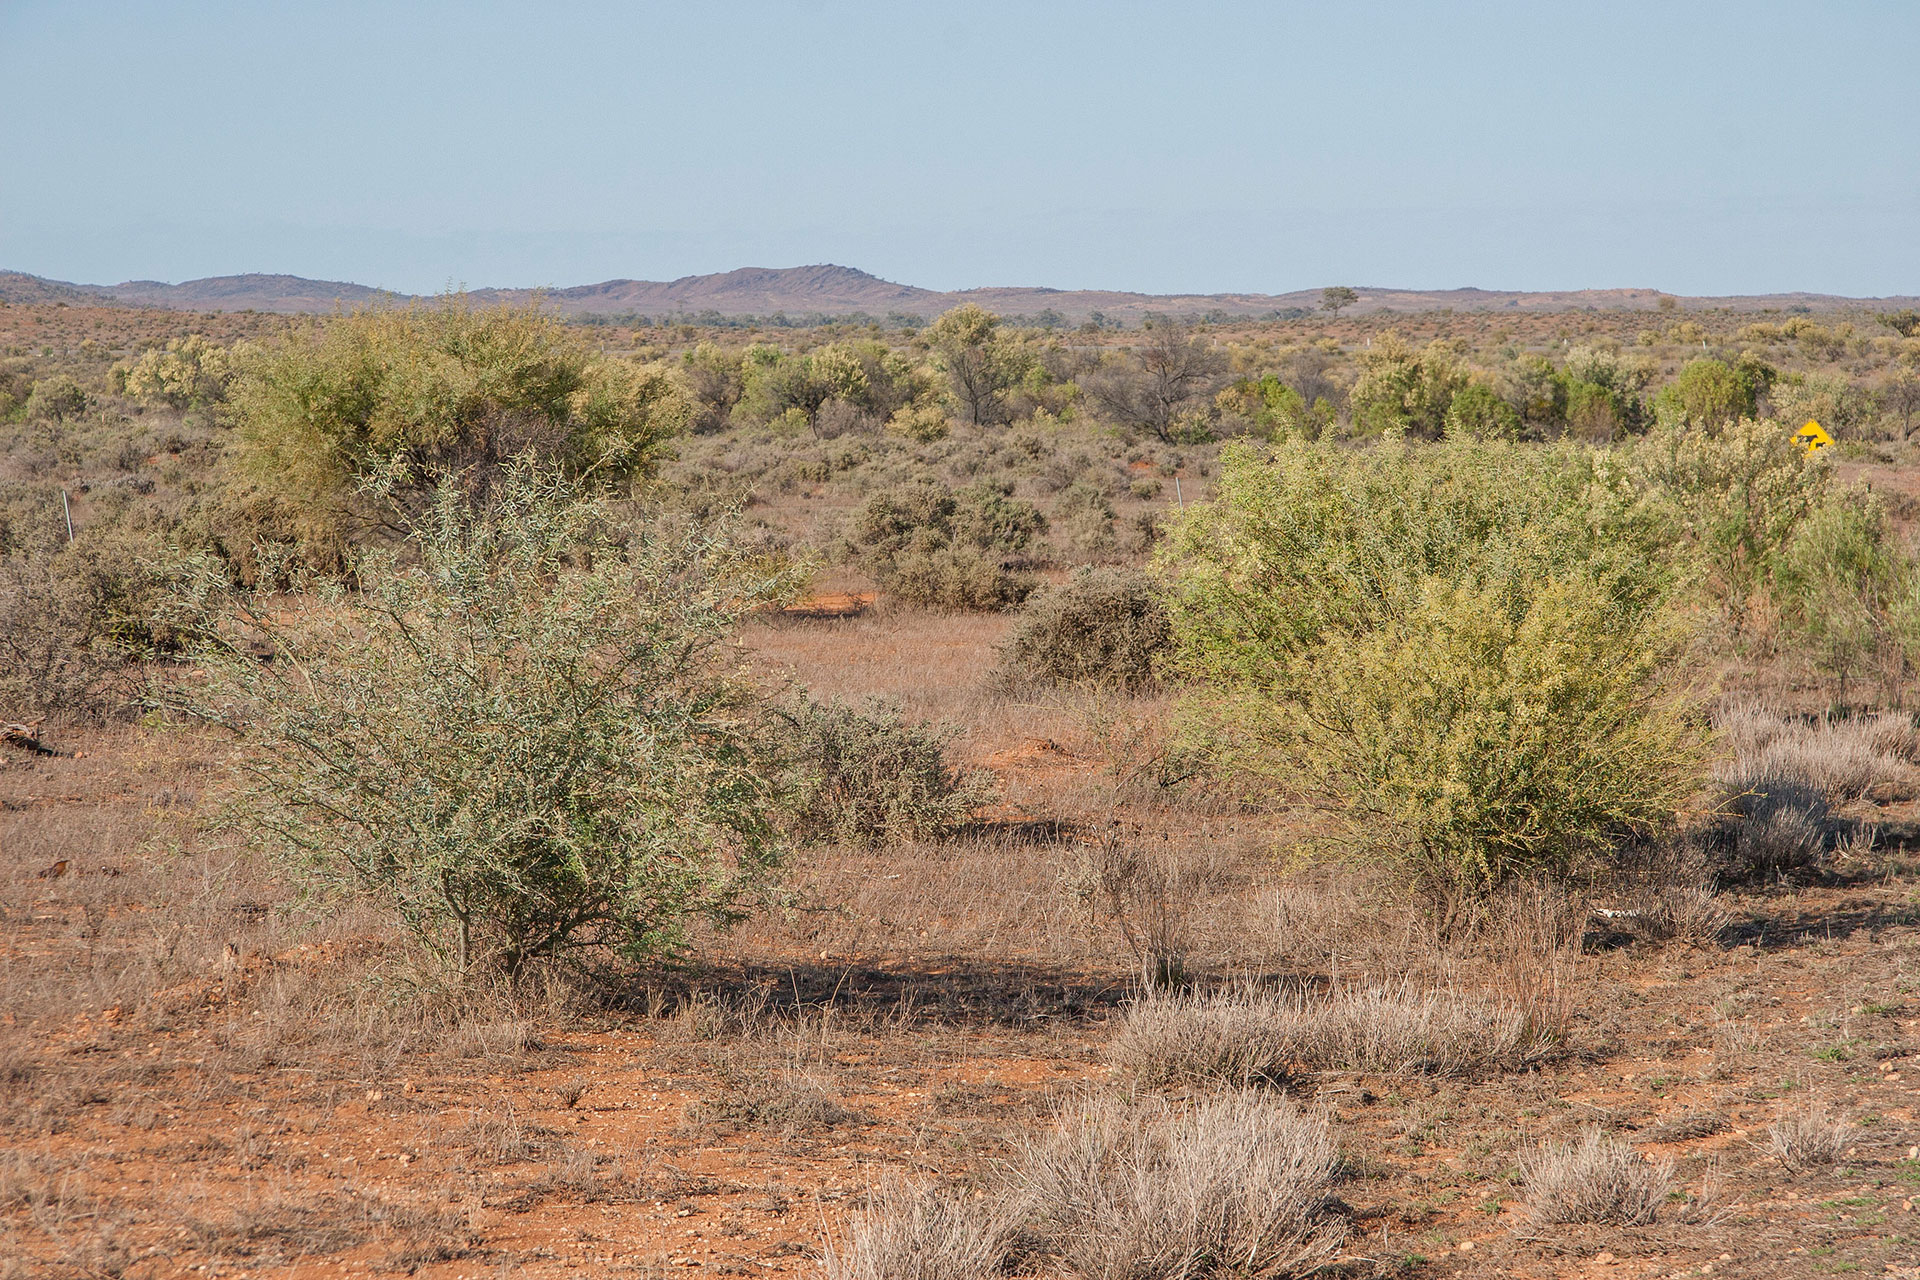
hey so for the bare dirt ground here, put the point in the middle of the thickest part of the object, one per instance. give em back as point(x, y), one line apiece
point(200, 1078)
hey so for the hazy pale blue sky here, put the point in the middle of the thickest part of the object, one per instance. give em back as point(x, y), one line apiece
point(1699, 148)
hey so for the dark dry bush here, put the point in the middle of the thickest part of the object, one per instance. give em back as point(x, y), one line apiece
point(866, 774)
point(1775, 828)
point(72, 621)
point(952, 578)
point(927, 545)
point(1104, 626)
point(789, 1103)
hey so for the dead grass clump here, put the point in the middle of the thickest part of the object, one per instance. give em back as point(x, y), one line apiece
point(787, 1102)
point(1235, 1185)
point(1808, 1137)
point(1844, 757)
point(1244, 1036)
point(1773, 828)
point(923, 1234)
point(1596, 1178)
point(504, 1138)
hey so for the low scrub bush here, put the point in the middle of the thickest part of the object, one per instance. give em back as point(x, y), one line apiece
point(1103, 626)
point(862, 775)
point(73, 619)
point(1596, 1178)
point(524, 739)
point(952, 578)
point(928, 545)
point(1770, 828)
point(1243, 1036)
point(1237, 1185)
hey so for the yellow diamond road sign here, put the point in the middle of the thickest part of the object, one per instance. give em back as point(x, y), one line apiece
point(1813, 437)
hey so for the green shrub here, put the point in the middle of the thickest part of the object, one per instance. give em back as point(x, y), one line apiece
point(1709, 393)
point(525, 738)
point(868, 774)
point(57, 399)
point(1463, 652)
point(926, 545)
point(1478, 412)
point(1471, 744)
point(1103, 626)
point(1844, 589)
point(1403, 390)
point(411, 395)
point(187, 373)
point(1730, 499)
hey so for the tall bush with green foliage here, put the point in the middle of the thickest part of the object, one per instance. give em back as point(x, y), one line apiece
point(412, 395)
point(982, 364)
point(1845, 591)
point(186, 373)
point(1403, 390)
point(1462, 652)
point(522, 733)
point(1730, 499)
point(1711, 393)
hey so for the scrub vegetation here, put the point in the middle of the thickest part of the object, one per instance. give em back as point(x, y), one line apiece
point(1360, 795)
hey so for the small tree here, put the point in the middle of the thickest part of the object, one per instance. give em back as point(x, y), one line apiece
point(187, 373)
point(526, 743)
point(982, 365)
point(1155, 384)
point(1336, 298)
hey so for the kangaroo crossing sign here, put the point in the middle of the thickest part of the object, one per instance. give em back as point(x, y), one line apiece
point(1813, 437)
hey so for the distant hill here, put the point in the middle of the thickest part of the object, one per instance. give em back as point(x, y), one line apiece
point(838, 291)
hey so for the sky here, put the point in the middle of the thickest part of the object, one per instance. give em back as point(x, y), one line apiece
point(1698, 148)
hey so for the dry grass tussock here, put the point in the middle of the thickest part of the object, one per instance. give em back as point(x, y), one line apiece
point(1807, 1137)
point(1243, 1035)
point(1782, 777)
point(1236, 1185)
point(1843, 758)
point(911, 1234)
point(1595, 1178)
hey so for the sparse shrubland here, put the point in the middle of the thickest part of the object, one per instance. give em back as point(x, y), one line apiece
point(1463, 612)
